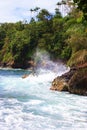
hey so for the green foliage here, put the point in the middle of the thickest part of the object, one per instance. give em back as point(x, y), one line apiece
point(19, 26)
point(44, 15)
point(57, 13)
point(62, 37)
point(82, 5)
point(80, 57)
point(66, 53)
point(20, 46)
point(2, 36)
point(77, 38)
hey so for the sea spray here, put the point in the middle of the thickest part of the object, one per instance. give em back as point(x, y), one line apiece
point(28, 104)
point(43, 62)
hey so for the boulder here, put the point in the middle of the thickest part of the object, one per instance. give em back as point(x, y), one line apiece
point(74, 81)
point(59, 84)
point(78, 82)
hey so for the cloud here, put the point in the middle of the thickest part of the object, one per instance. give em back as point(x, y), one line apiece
point(48, 4)
point(16, 10)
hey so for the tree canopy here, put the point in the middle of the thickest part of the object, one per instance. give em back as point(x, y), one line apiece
point(58, 35)
point(82, 5)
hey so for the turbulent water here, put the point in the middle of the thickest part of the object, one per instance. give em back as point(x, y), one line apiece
point(29, 104)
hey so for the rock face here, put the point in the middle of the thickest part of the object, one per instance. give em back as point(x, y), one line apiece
point(24, 65)
point(78, 82)
point(74, 81)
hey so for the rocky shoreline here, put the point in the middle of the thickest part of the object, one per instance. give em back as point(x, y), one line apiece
point(25, 65)
point(74, 81)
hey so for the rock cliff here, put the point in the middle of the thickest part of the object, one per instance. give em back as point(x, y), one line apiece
point(74, 81)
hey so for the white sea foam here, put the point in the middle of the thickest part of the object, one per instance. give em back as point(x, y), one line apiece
point(28, 104)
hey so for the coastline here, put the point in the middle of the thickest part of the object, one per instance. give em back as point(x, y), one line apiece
point(74, 81)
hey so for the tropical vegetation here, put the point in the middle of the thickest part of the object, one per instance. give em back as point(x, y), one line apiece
point(61, 36)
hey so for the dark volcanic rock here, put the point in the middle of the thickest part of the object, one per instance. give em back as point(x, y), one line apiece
point(74, 81)
point(61, 83)
point(78, 82)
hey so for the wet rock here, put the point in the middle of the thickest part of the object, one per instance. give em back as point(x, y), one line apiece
point(25, 76)
point(74, 81)
point(78, 82)
point(59, 84)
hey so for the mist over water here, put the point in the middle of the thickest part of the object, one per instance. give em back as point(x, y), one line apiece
point(42, 59)
point(28, 104)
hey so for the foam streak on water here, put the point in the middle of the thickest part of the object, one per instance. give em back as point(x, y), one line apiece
point(28, 104)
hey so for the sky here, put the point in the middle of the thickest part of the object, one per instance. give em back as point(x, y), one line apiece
point(19, 10)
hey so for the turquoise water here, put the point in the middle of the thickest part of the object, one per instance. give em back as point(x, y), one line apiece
point(28, 104)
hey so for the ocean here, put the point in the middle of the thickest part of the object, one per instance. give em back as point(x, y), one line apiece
point(29, 104)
